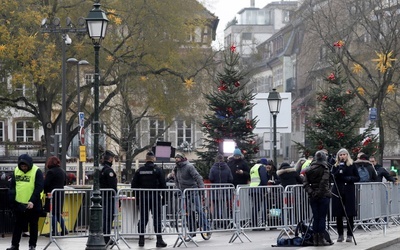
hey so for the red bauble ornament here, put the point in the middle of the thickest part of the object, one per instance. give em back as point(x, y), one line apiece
point(331, 77)
point(233, 48)
point(237, 84)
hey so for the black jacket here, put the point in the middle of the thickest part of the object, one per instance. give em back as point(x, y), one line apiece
point(288, 176)
point(316, 180)
point(149, 176)
point(55, 178)
point(239, 164)
point(382, 172)
point(108, 178)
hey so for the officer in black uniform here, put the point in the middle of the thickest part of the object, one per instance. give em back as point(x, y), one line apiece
point(149, 176)
point(108, 179)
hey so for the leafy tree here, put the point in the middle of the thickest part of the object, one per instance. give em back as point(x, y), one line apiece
point(148, 65)
point(229, 104)
point(336, 121)
point(368, 30)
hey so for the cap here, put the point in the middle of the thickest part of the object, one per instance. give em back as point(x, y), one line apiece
point(320, 155)
point(264, 161)
point(180, 155)
point(364, 157)
point(150, 153)
point(237, 152)
point(107, 155)
point(285, 164)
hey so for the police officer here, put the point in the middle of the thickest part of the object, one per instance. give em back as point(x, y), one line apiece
point(108, 179)
point(149, 176)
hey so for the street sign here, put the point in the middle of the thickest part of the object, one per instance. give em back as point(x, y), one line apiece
point(82, 135)
point(373, 114)
point(81, 119)
point(82, 153)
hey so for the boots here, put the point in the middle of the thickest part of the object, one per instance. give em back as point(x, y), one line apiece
point(160, 242)
point(141, 240)
point(315, 239)
point(13, 248)
point(322, 241)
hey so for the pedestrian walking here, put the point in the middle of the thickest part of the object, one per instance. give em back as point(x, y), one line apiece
point(150, 176)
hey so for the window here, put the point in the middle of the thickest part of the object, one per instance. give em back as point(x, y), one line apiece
point(246, 36)
point(25, 131)
point(157, 128)
point(184, 135)
point(1, 131)
point(20, 89)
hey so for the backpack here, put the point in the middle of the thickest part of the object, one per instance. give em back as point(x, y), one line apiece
point(363, 173)
point(305, 232)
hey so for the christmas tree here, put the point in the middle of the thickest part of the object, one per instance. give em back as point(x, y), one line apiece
point(336, 122)
point(230, 104)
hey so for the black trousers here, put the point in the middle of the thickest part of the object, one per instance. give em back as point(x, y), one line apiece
point(146, 205)
point(108, 215)
point(21, 219)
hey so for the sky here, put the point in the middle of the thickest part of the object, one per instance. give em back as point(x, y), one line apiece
point(226, 10)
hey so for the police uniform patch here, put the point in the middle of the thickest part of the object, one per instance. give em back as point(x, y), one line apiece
point(111, 174)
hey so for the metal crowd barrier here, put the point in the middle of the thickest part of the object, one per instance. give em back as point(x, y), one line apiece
point(394, 203)
point(258, 208)
point(216, 208)
point(6, 217)
point(71, 207)
point(372, 205)
point(138, 204)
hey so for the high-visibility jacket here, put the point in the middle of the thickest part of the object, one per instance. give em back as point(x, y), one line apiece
point(255, 178)
point(24, 184)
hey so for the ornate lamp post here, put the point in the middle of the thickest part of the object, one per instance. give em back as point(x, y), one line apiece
point(96, 24)
point(274, 104)
point(78, 63)
point(55, 27)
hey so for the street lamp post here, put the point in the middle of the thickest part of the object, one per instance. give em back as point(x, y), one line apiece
point(274, 104)
point(96, 24)
point(78, 63)
point(55, 27)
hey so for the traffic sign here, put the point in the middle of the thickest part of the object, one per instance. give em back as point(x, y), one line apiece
point(82, 153)
point(81, 119)
point(82, 135)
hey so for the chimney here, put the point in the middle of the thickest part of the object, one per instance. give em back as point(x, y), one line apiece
point(252, 3)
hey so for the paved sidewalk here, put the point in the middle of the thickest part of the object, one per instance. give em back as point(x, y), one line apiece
point(258, 240)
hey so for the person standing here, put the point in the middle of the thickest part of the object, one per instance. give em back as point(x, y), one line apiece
point(239, 168)
point(186, 176)
point(25, 190)
point(288, 175)
point(381, 171)
point(344, 193)
point(258, 177)
point(108, 179)
point(220, 173)
point(56, 178)
point(150, 176)
point(317, 186)
point(366, 170)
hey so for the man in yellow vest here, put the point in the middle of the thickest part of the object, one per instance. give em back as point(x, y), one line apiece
point(26, 186)
point(258, 177)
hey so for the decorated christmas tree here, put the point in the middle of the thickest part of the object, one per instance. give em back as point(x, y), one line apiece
point(337, 120)
point(230, 104)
